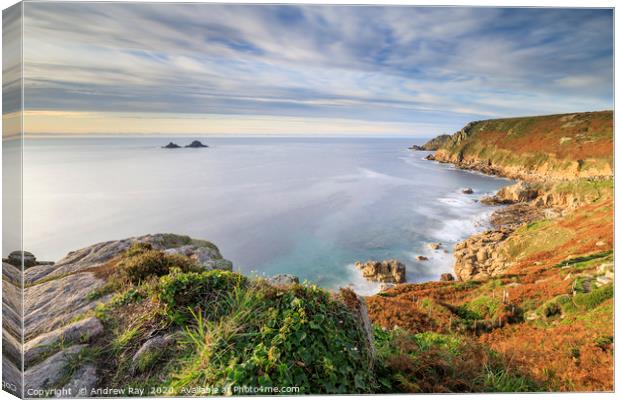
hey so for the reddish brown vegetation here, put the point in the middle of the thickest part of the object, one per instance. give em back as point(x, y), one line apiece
point(565, 353)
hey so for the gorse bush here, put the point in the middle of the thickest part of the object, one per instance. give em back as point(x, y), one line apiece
point(299, 336)
point(141, 262)
point(185, 293)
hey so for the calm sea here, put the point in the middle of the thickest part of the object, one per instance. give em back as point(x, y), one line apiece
point(306, 206)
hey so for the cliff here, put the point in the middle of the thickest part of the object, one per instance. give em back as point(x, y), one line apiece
point(564, 146)
point(536, 289)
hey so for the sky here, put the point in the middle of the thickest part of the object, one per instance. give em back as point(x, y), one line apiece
point(105, 68)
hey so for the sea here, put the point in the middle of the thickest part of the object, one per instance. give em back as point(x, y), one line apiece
point(310, 207)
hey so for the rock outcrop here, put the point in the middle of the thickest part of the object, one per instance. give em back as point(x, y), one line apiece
point(171, 145)
point(518, 193)
point(479, 257)
point(59, 301)
point(389, 271)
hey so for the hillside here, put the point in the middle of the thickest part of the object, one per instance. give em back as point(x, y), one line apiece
point(536, 290)
point(532, 148)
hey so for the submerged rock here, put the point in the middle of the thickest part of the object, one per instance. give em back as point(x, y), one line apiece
point(421, 258)
point(391, 271)
point(196, 144)
point(467, 190)
point(171, 145)
point(434, 246)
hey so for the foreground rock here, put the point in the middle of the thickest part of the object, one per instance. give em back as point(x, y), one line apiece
point(48, 373)
point(390, 271)
point(59, 300)
point(80, 331)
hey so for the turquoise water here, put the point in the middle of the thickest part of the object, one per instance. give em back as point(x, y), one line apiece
point(306, 206)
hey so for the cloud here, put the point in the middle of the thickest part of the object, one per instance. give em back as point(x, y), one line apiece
point(442, 66)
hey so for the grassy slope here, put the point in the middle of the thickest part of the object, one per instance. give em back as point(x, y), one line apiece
point(545, 317)
point(562, 146)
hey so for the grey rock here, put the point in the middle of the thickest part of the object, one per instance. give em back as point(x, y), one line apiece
point(55, 303)
point(11, 273)
point(79, 331)
point(49, 372)
point(11, 377)
point(205, 256)
point(283, 280)
point(11, 347)
point(82, 382)
point(467, 190)
point(153, 346)
point(100, 253)
point(171, 145)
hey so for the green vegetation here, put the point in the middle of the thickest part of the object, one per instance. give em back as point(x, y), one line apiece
point(296, 337)
point(228, 331)
point(184, 293)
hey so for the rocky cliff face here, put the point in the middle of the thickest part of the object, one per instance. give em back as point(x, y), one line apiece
point(535, 148)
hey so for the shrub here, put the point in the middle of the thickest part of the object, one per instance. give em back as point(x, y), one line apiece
point(295, 337)
point(184, 293)
point(595, 297)
point(141, 262)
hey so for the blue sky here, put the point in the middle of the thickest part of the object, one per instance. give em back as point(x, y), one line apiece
point(251, 69)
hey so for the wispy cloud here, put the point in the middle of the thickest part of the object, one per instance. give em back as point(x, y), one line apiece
point(382, 65)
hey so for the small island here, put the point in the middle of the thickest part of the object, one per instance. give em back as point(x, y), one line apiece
point(171, 145)
point(196, 144)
